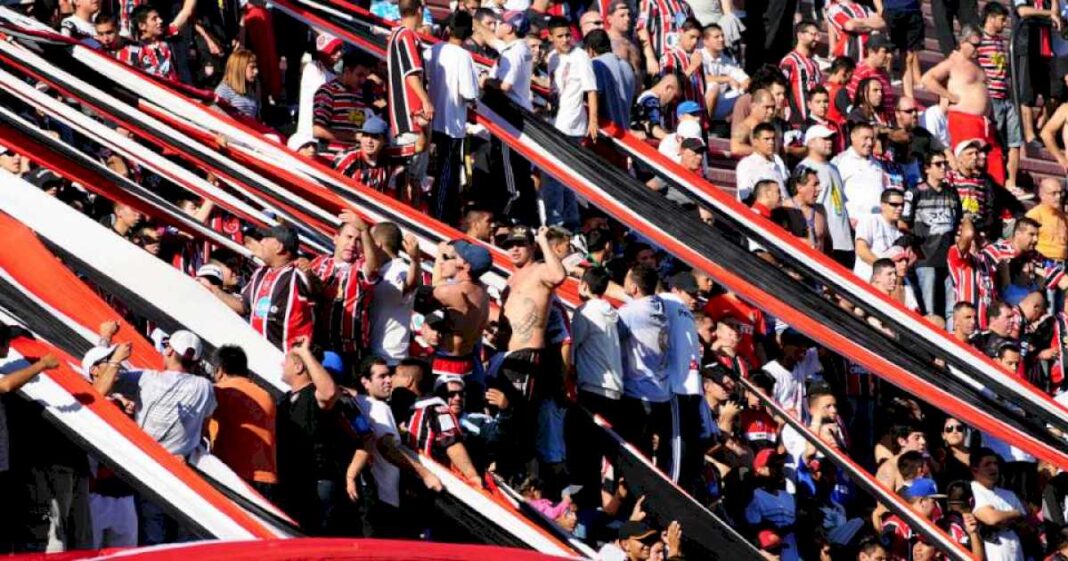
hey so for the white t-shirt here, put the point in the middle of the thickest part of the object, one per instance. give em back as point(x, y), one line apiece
point(312, 78)
point(880, 235)
point(1006, 544)
point(722, 65)
point(572, 77)
point(789, 389)
point(515, 67)
point(864, 180)
point(391, 312)
point(171, 406)
point(755, 168)
point(387, 475)
point(74, 26)
point(453, 82)
point(684, 354)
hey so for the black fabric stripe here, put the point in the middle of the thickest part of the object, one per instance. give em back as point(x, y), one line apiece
point(720, 244)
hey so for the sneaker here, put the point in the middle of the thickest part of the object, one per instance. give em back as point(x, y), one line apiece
point(1020, 194)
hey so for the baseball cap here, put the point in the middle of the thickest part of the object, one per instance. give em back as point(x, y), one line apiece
point(300, 140)
point(211, 272)
point(689, 129)
point(446, 379)
point(685, 282)
point(636, 530)
point(327, 44)
point(285, 235)
point(43, 178)
point(333, 364)
point(818, 131)
point(769, 540)
point(186, 344)
point(476, 256)
point(879, 41)
point(963, 145)
point(375, 126)
point(95, 356)
point(765, 457)
point(687, 108)
point(519, 235)
point(922, 488)
point(518, 20)
point(695, 144)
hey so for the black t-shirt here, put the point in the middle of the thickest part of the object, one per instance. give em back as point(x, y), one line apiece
point(933, 216)
point(309, 439)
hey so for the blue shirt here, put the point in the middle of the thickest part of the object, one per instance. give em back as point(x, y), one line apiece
point(644, 338)
point(389, 10)
point(615, 82)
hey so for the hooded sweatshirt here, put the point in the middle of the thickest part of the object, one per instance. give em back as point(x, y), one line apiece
point(596, 350)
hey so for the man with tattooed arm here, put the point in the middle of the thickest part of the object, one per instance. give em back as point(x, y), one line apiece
point(524, 374)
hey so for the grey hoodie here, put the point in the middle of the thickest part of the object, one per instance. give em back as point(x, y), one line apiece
point(595, 349)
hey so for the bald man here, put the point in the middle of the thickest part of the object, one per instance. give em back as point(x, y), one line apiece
point(1053, 225)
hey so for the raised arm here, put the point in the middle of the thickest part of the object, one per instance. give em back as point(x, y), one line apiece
point(553, 273)
point(12, 382)
point(326, 392)
point(415, 273)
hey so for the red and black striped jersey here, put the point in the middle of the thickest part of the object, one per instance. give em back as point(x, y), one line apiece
point(154, 58)
point(344, 321)
point(377, 174)
point(994, 60)
point(898, 535)
point(849, 43)
point(677, 60)
point(432, 428)
point(279, 304)
point(662, 18)
point(338, 108)
point(803, 74)
point(403, 59)
point(971, 282)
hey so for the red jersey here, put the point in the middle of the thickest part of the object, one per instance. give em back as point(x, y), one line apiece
point(849, 43)
point(971, 282)
point(344, 320)
point(433, 428)
point(154, 58)
point(375, 174)
point(662, 18)
point(803, 74)
point(403, 59)
point(750, 318)
point(279, 304)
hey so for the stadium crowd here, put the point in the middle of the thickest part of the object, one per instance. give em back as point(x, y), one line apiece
point(838, 131)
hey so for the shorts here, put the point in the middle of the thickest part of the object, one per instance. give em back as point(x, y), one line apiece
point(1033, 75)
point(1007, 122)
point(905, 29)
point(724, 102)
point(521, 370)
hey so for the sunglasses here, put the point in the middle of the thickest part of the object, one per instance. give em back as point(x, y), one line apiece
point(940, 164)
point(895, 205)
point(454, 393)
point(954, 428)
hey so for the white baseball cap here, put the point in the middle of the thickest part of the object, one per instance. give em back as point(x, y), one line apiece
point(689, 129)
point(95, 356)
point(186, 344)
point(818, 131)
point(448, 378)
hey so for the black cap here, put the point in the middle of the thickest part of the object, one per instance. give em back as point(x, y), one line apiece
point(685, 282)
point(285, 235)
point(43, 178)
point(519, 235)
point(879, 41)
point(637, 530)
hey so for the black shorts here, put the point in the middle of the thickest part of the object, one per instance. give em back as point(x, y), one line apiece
point(1033, 78)
point(905, 29)
point(521, 370)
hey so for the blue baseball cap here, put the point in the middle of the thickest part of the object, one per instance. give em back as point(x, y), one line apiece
point(333, 364)
point(922, 488)
point(518, 20)
point(375, 125)
point(476, 256)
point(687, 108)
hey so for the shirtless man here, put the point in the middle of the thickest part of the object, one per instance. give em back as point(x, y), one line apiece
point(762, 110)
point(455, 279)
point(961, 80)
point(525, 311)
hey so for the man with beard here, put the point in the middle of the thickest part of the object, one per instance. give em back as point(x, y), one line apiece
point(346, 278)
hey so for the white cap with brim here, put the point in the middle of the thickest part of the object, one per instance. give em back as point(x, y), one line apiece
point(689, 129)
point(965, 144)
point(186, 344)
point(448, 378)
point(818, 131)
point(95, 356)
point(300, 140)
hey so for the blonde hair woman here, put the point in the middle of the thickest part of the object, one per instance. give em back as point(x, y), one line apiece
point(240, 83)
